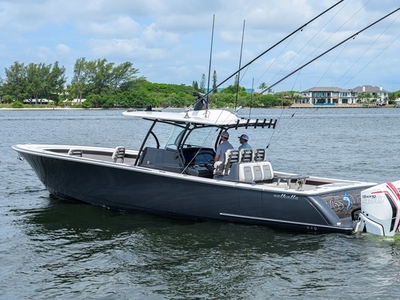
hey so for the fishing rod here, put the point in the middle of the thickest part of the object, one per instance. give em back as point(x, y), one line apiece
point(329, 50)
point(240, 64)
point(209, 64)
point(273, 46)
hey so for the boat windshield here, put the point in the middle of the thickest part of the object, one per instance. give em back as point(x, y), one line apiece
point(198, 137)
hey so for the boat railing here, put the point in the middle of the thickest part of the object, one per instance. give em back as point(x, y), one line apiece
point(75, 152)
point(292, 181)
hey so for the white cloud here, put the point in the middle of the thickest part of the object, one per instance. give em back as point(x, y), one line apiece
point(130, 49)
point(43, 54)
point(121, 26)
point(63, 49)
point(169, 41)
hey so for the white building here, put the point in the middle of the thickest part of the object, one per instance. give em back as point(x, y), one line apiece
point(328, 96)
point(335, 95)
point(377, 94)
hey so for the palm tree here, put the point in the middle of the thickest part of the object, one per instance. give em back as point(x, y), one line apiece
point(262, 86)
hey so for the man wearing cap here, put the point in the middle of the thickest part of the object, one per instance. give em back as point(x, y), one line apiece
point(223, 147)
point(243, 141)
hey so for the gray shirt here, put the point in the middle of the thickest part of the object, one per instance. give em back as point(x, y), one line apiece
point(222, 148)
point(244, 146)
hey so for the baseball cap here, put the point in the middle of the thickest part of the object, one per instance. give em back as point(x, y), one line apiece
point(244, 137)
point(225, 134)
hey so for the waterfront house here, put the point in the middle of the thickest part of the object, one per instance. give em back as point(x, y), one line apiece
point(336, 95)
point(369, 93)
point(328, 96)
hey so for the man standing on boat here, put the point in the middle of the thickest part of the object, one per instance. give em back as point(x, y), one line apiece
point(223, 147)
point(243, 141)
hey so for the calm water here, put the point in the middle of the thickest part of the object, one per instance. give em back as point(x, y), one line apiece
point(51, 249)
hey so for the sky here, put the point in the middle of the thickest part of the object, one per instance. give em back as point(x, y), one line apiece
point(169, 41)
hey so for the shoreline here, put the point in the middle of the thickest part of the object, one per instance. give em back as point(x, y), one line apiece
point(294, 106)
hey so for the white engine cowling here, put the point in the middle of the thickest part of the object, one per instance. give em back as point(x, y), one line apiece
point(380, 209)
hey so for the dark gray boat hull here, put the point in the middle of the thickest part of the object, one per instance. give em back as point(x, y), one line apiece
point(131, 188)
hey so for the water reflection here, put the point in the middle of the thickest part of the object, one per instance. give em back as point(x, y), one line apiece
point(76, 242)
point(71, 247)
point(89, 222)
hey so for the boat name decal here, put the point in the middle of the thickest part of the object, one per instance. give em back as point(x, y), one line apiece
point(286, 196)
point(342, 202)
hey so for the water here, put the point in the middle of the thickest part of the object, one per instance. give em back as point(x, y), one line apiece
point(52, 249)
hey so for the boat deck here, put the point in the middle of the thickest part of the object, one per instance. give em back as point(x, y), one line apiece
point(275, 180)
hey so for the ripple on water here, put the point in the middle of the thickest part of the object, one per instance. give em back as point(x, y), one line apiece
point(53, 249)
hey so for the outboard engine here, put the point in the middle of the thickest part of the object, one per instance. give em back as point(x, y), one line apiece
point(380, 209)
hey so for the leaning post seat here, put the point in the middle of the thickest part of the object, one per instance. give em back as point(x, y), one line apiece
point(259, 155)
point(118, 154)
point(257, 169)
point(231, 157)
point(246, 155)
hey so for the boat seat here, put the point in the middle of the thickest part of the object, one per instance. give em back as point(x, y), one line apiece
point(118, 154)
point(255, 171)
point(259, 155)
point(75, 152)
point(245, 171)
point(223, 168)
point(266, 170)
point(246, 155)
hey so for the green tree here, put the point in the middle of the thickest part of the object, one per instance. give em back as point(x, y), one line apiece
point(37, 81)
point(79, 79)
point(1, 90)
point(232, 89)
point(44, 81)
point(214, 86)
point(364, 97)
point(122, 74)
point(195, 85)
point(56, 82)
point(262, 86)
point(100, 77)
point(8, 99)
point(15, 82)
point(203, 84)
point(393, 95)
point(17, 104)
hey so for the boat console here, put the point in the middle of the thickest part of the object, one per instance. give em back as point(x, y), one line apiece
point(194, 161)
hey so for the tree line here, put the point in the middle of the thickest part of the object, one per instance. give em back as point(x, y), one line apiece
point(99, 83)
point(103, 84)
